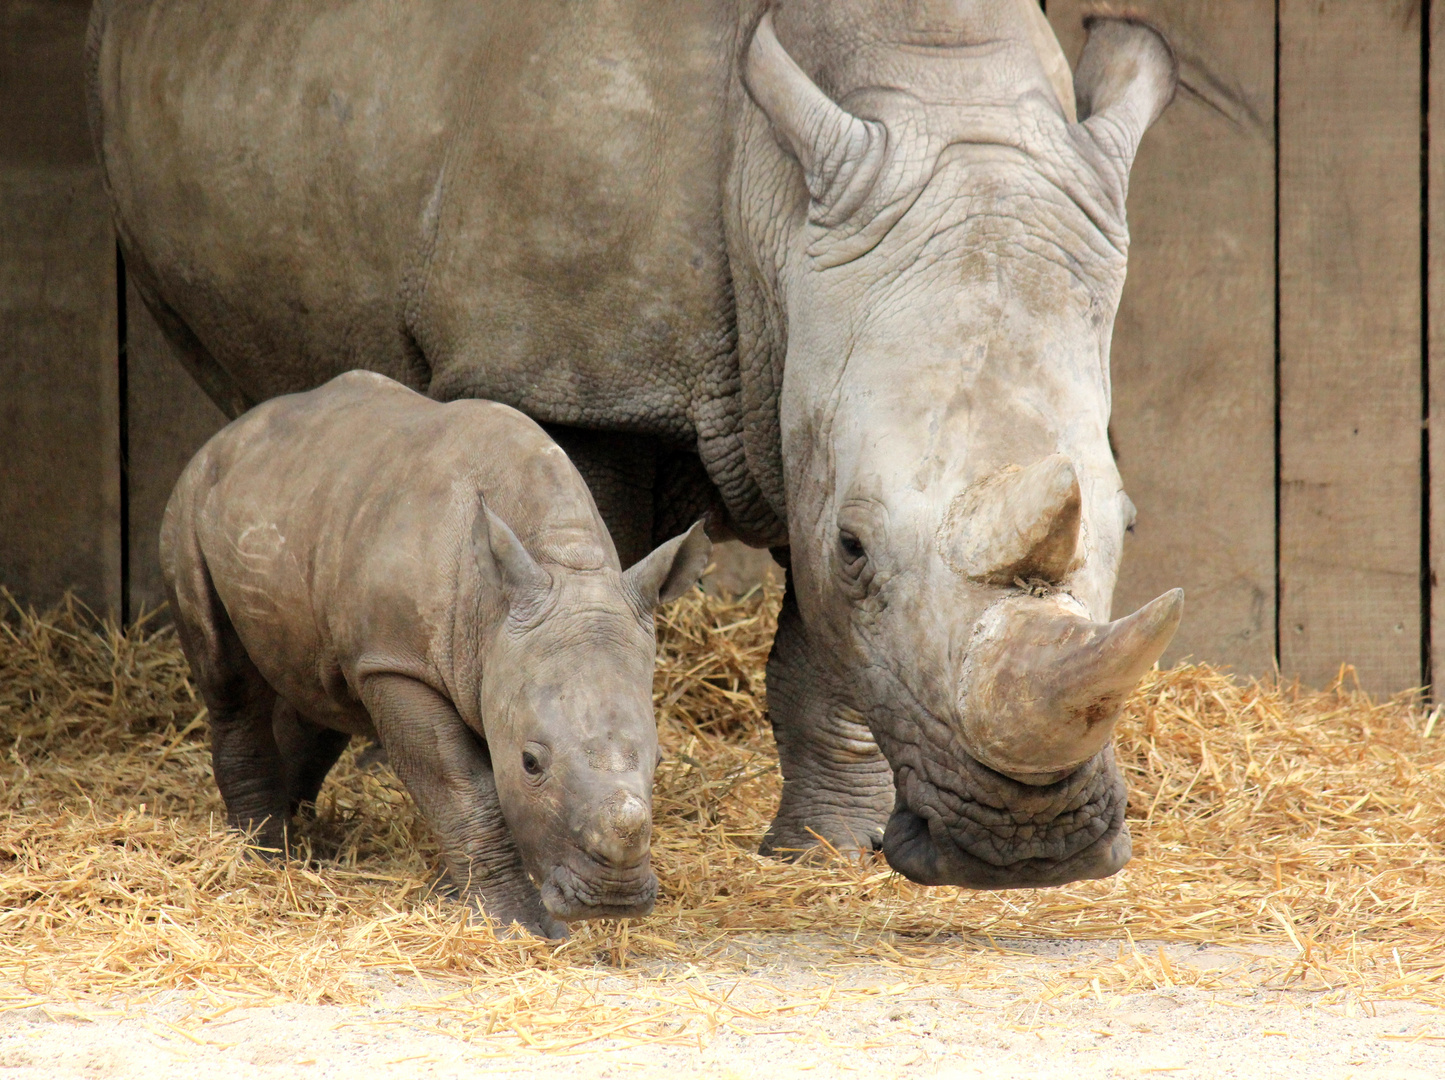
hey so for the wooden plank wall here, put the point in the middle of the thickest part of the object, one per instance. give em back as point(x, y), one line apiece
point(60, 500)
point(1435, 355)
point(1193, 359)
point(1276, 439)
point(1269, 361)
point(1350, 359)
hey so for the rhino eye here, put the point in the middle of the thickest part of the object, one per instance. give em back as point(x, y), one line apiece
point(530, 763)
point(851, 546)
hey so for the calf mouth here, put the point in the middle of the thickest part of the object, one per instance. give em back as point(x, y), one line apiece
point(596, 893)
point(980, 829)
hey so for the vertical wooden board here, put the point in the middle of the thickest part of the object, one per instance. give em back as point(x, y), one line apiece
point(169, 420)
point(1350, 348)
point(59, 471)
point(1193, 355)
point(1436, 357)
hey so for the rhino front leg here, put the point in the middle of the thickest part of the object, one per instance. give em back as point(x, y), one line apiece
point(837, 785)
point(444, 766)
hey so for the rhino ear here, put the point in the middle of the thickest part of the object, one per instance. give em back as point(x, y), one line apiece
point(503, 560)
point(841, 155)
point(670, 570)
point(1126, 77)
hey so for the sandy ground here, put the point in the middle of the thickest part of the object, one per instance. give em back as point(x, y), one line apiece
point(918, 1031)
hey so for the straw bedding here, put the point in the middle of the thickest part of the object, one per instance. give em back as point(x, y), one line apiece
point(1312, 823)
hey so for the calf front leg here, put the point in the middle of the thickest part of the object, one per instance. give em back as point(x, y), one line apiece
point(442, 763)
point(837, 786)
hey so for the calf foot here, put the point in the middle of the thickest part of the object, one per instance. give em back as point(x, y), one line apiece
point(514, 908)
point(514, 923)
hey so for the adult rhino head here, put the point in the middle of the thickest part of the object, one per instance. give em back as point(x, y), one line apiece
point(939, 246)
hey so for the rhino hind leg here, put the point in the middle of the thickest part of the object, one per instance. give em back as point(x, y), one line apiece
point(837, 786)
point(621, 472)
point(308, 751)
point(244, 756)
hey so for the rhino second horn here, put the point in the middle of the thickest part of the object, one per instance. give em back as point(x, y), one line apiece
point(1017, 523)
point(1043, 686)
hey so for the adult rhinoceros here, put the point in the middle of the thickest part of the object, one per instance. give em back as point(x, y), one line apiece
point(845, 272)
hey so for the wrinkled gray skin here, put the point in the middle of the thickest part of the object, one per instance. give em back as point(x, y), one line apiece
point(844, 275)
point(362, 561)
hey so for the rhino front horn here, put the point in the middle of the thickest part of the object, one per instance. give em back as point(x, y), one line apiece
point(1043, 686)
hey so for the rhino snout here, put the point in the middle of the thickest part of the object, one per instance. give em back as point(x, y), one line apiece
point(982, 830)
point(620, 833)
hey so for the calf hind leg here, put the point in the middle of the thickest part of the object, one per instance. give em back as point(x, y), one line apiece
point(308, 751)
point(244, 757)
point(244, 754)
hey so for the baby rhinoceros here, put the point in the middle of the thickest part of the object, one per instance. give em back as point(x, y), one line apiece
point(362, 560)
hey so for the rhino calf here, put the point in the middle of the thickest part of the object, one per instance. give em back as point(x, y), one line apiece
point(361, 560)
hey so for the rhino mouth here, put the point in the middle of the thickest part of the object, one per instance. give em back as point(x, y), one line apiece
point(595, 894)
point(1001, 834)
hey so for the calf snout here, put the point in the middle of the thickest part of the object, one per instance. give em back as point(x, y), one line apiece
point(620, 832)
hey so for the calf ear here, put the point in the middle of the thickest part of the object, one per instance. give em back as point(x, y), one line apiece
point(502, 559)
point(670, 570)
point(1126, 76)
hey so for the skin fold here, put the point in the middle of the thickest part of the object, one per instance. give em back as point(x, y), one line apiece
point(839, 274)
point(359, 560)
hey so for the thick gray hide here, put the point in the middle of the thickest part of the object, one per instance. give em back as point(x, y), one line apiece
point(845, 275)
point(361, 560)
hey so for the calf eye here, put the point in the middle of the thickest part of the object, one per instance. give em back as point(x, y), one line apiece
point(851, 546)
point(531, 764)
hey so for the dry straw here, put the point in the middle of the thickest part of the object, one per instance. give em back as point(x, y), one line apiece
point(1309, 824)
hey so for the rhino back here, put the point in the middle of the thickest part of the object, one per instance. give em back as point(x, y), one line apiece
point(580, 270)
point(337, 530)
point(514, 201)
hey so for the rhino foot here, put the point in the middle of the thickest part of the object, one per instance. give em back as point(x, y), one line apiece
point(810, 838)
point(837, 785)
